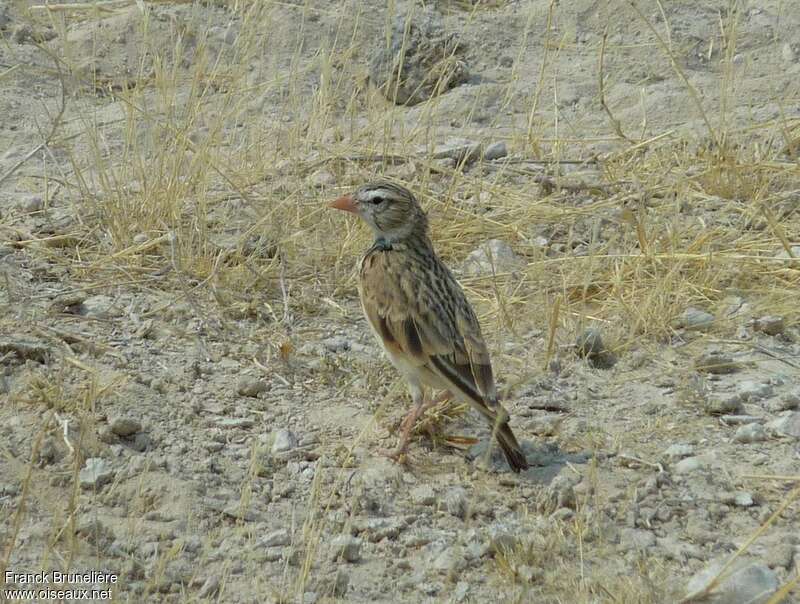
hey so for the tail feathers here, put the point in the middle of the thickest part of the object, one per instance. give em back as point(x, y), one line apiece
point(511, 448)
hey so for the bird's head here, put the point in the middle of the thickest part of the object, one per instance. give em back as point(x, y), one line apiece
point(390, 210)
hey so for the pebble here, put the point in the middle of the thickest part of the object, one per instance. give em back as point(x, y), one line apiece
point(589, 345)
point(678, 451)
point(125, 426)
point(99, 307)
point(690, 464)
point(251, 386)
point(636, 539)
point(695, 319)
point(450, 560)
point(209, 587)
point(502, 538)
point(276, 538)
point(783, 253)
point(284, 440)
point(423, 495)
point(321, 179)
point(336, 344)
point(750, 433)
point(493, 256)
point(715, 361)
point(459, 150)
point(743, 499)
point(787, 425)
point(772, 325)
point(455, 500)
point(750, 391)
point(347, 548)
point(95, 473)
point(495, 151)
point(748, 584)
point(32, 204)
point(716, 406)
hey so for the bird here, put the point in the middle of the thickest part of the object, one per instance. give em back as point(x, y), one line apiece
point(420, 315)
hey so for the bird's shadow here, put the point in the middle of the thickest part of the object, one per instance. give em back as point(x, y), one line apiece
point(545, 460)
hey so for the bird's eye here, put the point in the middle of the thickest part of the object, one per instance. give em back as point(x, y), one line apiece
point(376, 200)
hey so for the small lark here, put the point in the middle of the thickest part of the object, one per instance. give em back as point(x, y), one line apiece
point(420, 315)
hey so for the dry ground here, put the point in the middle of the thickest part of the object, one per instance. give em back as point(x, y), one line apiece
point(175, 296)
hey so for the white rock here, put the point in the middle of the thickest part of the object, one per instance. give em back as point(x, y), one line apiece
point(678, 451)
point(495, 151)
point(347, 548)
point(795, 252)
point(322, 178)
point(276, 538)
point(690, 464)
point(696, 319)
point(750, 433)
point(787, 425)
point(285, 440)
point(95, 473)
point(743, 499)
point(99, 307)
point(749, 584)
point(750, 391)
point(494, 256)
point(423, 495)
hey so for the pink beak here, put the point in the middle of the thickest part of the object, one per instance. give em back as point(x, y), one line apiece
point(346, 203)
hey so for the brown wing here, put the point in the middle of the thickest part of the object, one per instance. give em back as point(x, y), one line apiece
point(419, 310)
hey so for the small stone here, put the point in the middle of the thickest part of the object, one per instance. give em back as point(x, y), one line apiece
point(336, 344)
point(321, 179)
point(455, 500)
point(461, 592)
point(99, 307)
point(341, 583)
point(140, 238)
point(423, 495)
point(276, 538)
point(234, 422)
point(678, 451)
point(743, 499)
point(310, 597)
point(695, 319)
point(772, 325)
point(788, 52)
point(460, 150)
point(716, 406)
point(495, 151)
point(209, 587)
point(636, 539)
point(779, 556)
point(787, 425)
point(450, 560)
point(750, 391)
point(502, 538)
point(284, 440)
point(750, 433)
point(590, 346)
point(715, 361)
point(347, 548)
point(749, 584)
point(125, 426)
point(785, 255)
point(688, 465)
point(494, 256)
point(251, 386)
point(32, 204)
point(95, 473)
point(790, 400)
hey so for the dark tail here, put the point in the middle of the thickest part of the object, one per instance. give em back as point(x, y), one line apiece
point(511, 448)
